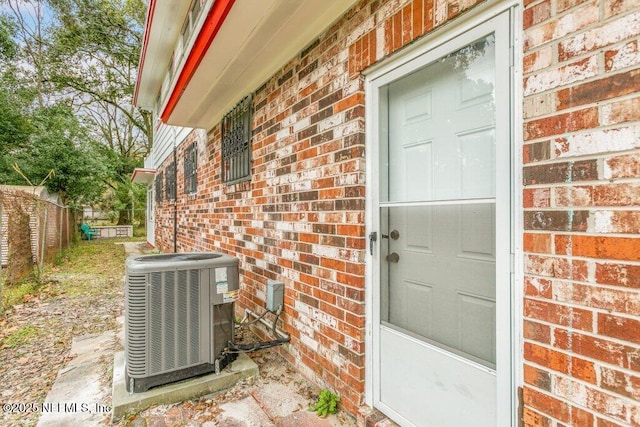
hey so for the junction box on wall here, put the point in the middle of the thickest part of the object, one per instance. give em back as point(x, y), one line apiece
point(275, 295)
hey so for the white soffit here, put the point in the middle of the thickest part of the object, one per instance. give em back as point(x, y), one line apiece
point(143, 176)
point(256, 39)
point(160, 42)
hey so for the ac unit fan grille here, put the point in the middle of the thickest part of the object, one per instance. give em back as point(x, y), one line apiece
point(174, 320)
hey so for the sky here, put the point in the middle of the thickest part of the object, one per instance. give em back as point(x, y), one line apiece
point(27, 9)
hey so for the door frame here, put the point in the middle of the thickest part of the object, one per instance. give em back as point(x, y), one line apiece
point(505, 13)
point(151, 216)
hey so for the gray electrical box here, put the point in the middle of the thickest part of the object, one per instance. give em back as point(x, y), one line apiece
point(275, 295)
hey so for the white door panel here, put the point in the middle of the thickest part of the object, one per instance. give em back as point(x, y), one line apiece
point(443, 276)
point(440, 194)
point(476, 166)
point(438, 390)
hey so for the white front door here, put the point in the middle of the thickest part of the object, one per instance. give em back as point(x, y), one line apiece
point(442, 213)
point(151, 238)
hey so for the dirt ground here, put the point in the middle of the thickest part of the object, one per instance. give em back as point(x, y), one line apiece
point(82, 295)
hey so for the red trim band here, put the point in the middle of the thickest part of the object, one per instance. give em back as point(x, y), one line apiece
point(214, 21)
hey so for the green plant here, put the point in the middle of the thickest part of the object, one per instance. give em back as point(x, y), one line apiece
point(12, 295)
point(140, 231)
point(21, 336)
point(327, 404)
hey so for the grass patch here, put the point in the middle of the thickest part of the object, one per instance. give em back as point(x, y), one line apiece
point(86, 268)
point(20, 337)
point(94, 256)
point(15, 294)
point(92, 267)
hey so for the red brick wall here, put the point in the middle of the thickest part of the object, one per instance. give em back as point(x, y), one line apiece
point(581, 157)
point(301, 217)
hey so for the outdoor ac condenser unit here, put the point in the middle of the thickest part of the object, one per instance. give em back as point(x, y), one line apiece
point(178, 316)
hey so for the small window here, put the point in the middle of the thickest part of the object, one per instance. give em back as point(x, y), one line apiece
point(186, 32)
point(236, 143)
point(170, 67)
point(170, 182)
point(195, 10)
point(158, 187)
point(190, 169)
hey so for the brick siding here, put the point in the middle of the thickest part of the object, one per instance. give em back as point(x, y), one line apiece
point(300, 219)
point(581, 217)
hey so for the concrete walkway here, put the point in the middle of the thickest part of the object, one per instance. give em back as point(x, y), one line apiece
point(78, 396)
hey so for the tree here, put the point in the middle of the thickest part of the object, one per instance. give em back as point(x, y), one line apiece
point(30, 35)
point(59, 143)
point(72, 75)
point(38, 130)
point(96, 47)
point(14, 127)
point(8, 48)
point(14, 131)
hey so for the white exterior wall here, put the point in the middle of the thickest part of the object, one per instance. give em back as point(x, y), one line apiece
point(165, 138)
point(163, 142)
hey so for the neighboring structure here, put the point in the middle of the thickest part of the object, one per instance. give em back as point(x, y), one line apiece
point(92, 214)
point(39, 191)
point(449, 190)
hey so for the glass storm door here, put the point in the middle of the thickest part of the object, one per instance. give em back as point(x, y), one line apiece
point(443, 218)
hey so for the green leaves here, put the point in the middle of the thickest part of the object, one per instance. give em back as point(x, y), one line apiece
point(57, 141)
point(8, 47)
point(67, 75)
point(14, 126)
point(327, 404)
point(95, 51)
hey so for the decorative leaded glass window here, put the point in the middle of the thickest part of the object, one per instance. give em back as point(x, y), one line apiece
point(158, 187)
point(190, 169)
point(236, 143)
point(170, 182)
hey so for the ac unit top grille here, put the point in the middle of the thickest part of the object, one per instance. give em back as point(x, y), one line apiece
point(191, 256)
point(180, 261)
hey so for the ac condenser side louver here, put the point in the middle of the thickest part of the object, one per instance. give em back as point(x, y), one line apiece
point(179, 316)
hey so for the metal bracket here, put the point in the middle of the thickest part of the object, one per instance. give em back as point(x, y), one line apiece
point(373, 237)
point(395, 234)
